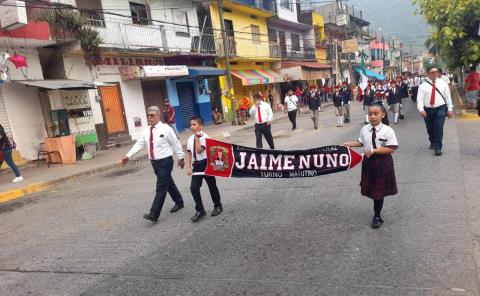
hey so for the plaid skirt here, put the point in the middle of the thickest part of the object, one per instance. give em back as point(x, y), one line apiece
point(378, 177)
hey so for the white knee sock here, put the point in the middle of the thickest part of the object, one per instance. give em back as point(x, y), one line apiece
point(396, 117)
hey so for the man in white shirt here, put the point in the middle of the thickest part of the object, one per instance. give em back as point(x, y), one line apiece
point(291, 102)
point(262, 113)
point(434, 103)
point(161, 142)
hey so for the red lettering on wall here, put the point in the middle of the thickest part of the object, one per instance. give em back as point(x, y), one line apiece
point(130, 60)
point(123, 62)
point(106, 61)
point(138, 62)
point(115, 61)
point(147, 62)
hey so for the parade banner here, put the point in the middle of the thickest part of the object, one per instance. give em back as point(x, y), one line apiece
point(230, 160)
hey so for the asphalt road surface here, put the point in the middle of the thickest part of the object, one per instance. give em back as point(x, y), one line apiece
point(305, 236)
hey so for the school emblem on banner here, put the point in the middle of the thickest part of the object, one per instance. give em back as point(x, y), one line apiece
point(219, 158)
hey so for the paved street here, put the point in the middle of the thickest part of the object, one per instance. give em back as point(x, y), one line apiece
point(306, 236)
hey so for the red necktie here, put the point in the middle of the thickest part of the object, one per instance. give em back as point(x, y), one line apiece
point(374, 137)
point(152, 156)
point(259, 114)
point(432, 96)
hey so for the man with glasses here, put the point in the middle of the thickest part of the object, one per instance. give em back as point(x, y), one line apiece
point(434, 103)
point(161, 143)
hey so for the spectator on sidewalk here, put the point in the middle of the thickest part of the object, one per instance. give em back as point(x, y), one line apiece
point(263, 115)
point(472, 87)
point(161, 142)
point(6, 147)
point(434, 103)
point(168, 113)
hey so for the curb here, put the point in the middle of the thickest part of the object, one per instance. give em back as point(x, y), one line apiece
point(46, 185)
point(464, 115)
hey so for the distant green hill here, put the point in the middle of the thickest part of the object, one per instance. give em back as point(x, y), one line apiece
point(396, 18)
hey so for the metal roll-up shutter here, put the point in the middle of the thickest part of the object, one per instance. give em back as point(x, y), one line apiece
point(4, 116)
point(188, 105)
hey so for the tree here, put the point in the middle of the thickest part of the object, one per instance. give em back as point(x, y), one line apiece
point(455, 35)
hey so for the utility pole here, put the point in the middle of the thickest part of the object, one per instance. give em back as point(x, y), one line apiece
point(337, 65)
point(401, 58)
point(226, 51)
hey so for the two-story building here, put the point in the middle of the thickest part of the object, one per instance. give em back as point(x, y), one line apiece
point(252, 56)
point(149, 51)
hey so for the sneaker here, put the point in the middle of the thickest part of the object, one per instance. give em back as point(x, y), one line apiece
point(376, 222)
point(17, 179)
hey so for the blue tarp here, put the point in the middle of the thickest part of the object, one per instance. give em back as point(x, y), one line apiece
point(206, 71)
point(370, 73)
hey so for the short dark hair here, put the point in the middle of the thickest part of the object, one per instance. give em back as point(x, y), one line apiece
point(197, 118)
point(431, 66)
point(257, 96)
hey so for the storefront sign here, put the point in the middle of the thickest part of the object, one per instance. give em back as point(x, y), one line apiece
point(302, 73)
point(127, 61)
point(349, 46)
point(165, 71)
point(292, 73)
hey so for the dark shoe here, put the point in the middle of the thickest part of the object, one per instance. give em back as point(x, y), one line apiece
point(216, 211)
point(431, 147)
point(376, 222)
point(347, 121)
point(176, 208)
point(150, 218)
point(402, 117)
point(438, 152)
point(366, 122)
point(198, 216)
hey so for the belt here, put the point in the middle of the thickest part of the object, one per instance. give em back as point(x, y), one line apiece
point(200, 161)
point(432, 108)
point(161, 159)
point(260, 123)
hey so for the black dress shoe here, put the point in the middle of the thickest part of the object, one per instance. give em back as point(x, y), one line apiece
point(438, 152)
point(402, 117)
point(176, 208)
point(150, 218)
point(217, 210)
point(431, 147)
point(347, 121)
point(198, 216)
point(376, 222)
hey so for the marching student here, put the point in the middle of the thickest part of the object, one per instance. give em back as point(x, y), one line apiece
point(263, 115)
point(378, 172)
point(346, 94)
point(291, 106)
point(314, 104)
point(368, 99)
point(403, 88)
point(338, 104)
point(196, 160)
point(393, 100)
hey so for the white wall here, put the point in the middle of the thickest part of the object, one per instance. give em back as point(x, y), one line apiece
point(131, 91)
point(26, 118)
point(34, 69)
point(288, 14)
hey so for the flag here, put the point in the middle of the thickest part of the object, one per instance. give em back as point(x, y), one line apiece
point(363, 72)
point(230, 160)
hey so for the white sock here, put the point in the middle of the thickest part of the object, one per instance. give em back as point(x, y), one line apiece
point(396, 117)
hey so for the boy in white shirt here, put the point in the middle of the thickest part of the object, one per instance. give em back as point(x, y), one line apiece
point(196, 160)
point(291, 107)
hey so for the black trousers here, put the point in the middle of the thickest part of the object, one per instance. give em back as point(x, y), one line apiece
point(265, 130)
point(434, 121)
point(163, 170)
point(292, 115)
point(414, 93)
point(197, 180)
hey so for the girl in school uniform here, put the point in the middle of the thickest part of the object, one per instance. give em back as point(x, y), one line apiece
point(378, 173)
point(338, 103)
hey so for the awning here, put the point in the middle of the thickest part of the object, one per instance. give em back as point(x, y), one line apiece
point(370, 73)
point(251, 77)
point(313, 65)
point(206, 71)
point(58, 84)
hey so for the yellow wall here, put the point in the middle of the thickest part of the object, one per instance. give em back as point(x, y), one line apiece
point(319, 30)
point(243, 32)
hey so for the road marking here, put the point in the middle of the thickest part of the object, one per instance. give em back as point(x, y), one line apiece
point(20, 192)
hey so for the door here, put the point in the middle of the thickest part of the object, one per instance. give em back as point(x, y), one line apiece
point(154, 93)
point(113, 111)
point(188, 104)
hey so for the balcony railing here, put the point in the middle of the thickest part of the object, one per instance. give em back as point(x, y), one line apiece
point(122, 34)
point(297, 54)
point(267, 5)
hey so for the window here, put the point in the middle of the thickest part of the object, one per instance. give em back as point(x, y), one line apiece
point(255, 34)
point(229, 28)
point(295, 42)
point(139, 13)
point(286, 4)
point(272, 36)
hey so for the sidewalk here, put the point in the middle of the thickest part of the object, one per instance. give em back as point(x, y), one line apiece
point(37, 179)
